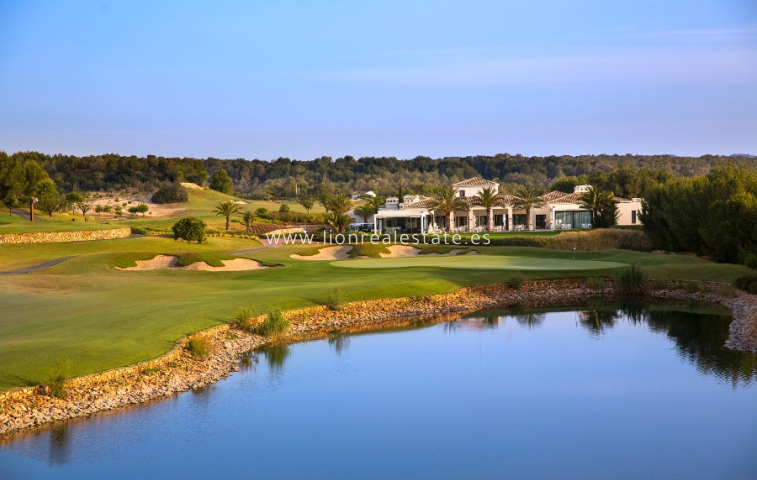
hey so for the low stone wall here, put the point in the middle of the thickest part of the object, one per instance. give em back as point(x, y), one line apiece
point(61, 237)
point(178, 371)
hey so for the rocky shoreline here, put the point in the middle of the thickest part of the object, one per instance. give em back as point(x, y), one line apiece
point(178, 371)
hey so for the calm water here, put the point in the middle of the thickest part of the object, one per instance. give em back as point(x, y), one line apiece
point(577, 394)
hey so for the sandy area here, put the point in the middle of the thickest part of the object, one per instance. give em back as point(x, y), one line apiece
point(398, 251)
point(328, 253)
point(193, 186)
point(169, 261)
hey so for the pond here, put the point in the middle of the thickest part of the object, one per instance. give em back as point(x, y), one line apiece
point(593, 393)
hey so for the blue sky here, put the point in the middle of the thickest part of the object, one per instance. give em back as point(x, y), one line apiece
point(304, 79)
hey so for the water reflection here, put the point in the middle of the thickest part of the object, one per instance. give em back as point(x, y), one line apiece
point(699, 336)
point(60, 445)
point(276, 356)
point(339, 341)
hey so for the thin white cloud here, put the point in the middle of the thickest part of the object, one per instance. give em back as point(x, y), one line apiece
point(648, 66)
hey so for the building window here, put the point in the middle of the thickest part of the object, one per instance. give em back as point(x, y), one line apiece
point(461, 222)
point(481, 221)
point(499, 220)
point(462, 193)
point(633, 217)
point(519, 219)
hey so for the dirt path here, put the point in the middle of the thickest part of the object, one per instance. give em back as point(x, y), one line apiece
point(37, 267)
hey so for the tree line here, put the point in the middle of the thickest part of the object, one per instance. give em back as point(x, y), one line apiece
point(713, 214)
point(625, 175)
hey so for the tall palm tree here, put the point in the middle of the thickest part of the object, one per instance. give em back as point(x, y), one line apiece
point(339, 204)
point(599, 202)
point(487, 198)
point(376, 202)
point(444, 200)
point(338, 221)
point(364, 211)
point(527, 199)
point(227, 209)
point(248, 218)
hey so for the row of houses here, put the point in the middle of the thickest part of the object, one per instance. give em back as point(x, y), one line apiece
point(415, 213)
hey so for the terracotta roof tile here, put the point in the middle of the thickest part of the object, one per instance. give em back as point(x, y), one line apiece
point(473, 182)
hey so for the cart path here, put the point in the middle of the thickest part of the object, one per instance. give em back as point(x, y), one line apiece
point(37, 267)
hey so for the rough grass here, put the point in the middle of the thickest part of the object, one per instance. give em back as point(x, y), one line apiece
point(633, 280)
point(199, 347)
point(274, 323)
point(368, 250)
point(211, 258)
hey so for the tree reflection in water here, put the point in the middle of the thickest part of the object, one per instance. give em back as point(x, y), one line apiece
point(339, 341)
point(276, 355)
point(60, 445)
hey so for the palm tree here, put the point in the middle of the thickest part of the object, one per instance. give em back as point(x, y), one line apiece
point(338, 221)
point(228, 209)
point(248, 218)
point(527, 199)
point(338, 204)
point(375, 202)
point(487, 198)
point(364, 211)
point(602, 204)
point(444, 200)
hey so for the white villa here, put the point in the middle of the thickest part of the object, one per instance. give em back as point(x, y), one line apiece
point(560, 211)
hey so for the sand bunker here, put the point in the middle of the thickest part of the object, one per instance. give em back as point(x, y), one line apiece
point(328, 253)
point(162, 262)
point(399, 251)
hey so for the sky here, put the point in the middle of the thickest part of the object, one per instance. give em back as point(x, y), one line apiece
point(303, 79)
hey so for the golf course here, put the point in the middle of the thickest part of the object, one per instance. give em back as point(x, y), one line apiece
point(84, 307)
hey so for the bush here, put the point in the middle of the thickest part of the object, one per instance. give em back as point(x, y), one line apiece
point(693, 287)
point(595, 283)
point(199, 347)
point(747, 283)
point(284, 208)
point(516, 281)
point(335, 300)
point(660, 284)
point(191, 229)
point(727, 291)
point(632, 281)
point(274, 323)
point(58, 377)
point(170, 193)
point(242, 320)
point(751, 261)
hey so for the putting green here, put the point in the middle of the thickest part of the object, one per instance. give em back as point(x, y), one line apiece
point(479, 262)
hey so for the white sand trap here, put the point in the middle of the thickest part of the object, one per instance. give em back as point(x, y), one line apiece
point(162, 262)
point(400, 251)
point(328, 253)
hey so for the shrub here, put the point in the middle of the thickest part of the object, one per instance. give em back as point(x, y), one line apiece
point(660, 284)
point(632, 281)
point(274, 323)
point(595, 283)
point(335, 300)
point(199, 347)
point(191, 229)
point(58, 377)
point(693, 287)
point(727, 291)
point(516, 281)
point(284, 208)
point(751, 261)
point(170, 193)
point(242, 320)
point(747, 283)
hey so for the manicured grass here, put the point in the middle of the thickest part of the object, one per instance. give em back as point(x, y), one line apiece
point(486, 262)
point(60, 222)
point(88, 312)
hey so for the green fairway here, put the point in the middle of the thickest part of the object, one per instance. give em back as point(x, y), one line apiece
point(90, 313)
point(487, 262)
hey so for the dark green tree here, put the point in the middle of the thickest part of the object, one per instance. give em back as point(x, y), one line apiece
point(221, 182)
point(191, 229)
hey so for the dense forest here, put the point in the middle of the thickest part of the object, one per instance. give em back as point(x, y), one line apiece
point(626, 175)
